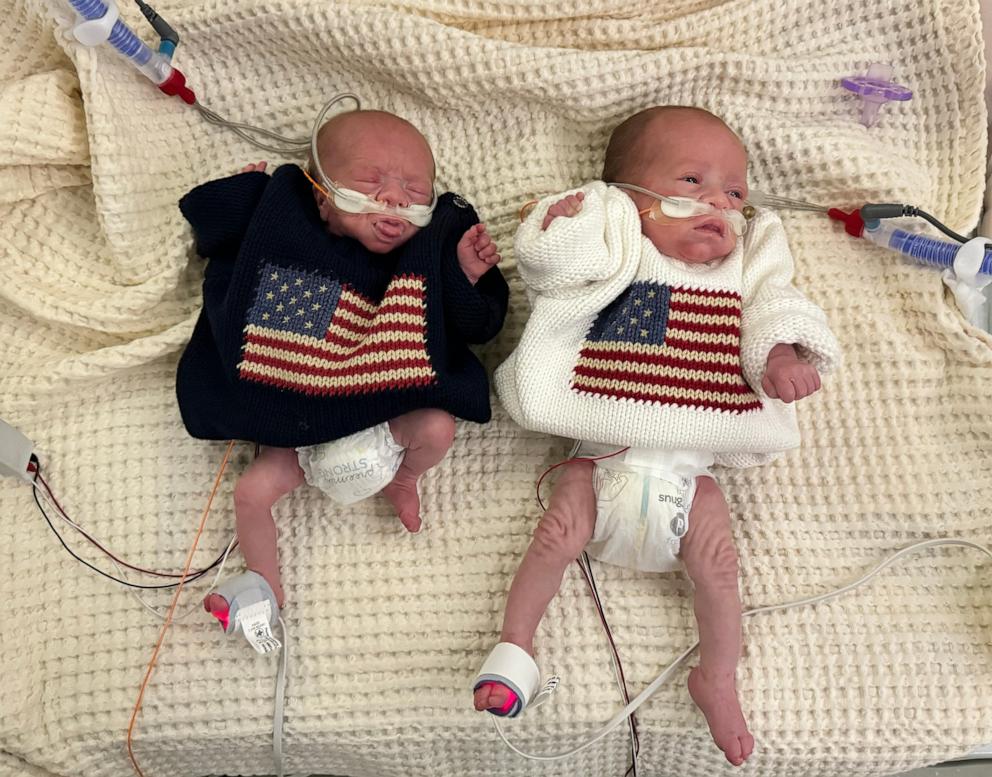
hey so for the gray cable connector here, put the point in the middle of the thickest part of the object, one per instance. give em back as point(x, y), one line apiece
point(15, 452)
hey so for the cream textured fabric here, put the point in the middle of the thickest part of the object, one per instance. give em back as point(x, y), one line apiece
point(587, 273)
point(100, 289)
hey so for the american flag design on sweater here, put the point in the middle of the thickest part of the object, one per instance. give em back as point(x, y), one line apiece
point(667, 345)
point(309, 333)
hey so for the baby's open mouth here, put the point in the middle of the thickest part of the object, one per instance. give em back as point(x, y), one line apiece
point(388, 228)
point(715, 226)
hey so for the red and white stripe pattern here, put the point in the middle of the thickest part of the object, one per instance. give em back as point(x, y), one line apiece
point(691, 360)
point(366, 348)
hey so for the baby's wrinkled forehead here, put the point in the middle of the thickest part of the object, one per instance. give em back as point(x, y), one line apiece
point(372, 136)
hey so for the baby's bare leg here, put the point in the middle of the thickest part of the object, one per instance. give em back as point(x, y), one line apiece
point(711, 562)
point(271, 476)
point(558, 540)
point(427, 435)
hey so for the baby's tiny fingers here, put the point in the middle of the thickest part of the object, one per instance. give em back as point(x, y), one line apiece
point(787, 390)
point(488, 251)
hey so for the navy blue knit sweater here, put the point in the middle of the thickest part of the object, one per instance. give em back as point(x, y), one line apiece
point(306, 337)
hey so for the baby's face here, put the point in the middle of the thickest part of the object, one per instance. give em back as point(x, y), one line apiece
point(701, 159)
point(386, 160)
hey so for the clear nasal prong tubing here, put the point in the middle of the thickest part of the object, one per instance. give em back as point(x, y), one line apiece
point(667, 207)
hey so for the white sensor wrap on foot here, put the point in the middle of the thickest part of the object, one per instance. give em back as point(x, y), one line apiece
point(252, 609)
point(512, 666)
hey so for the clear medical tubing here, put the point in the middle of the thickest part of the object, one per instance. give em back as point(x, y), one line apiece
point(926, 250)
point(152, 64)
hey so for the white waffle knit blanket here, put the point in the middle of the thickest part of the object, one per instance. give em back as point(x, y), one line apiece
point(101, 287)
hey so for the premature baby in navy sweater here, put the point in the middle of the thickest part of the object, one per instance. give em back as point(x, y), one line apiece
point(336, 339)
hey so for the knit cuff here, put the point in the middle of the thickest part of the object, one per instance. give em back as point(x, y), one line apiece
point(572, 251)
point(475, 313)
point(814, 342)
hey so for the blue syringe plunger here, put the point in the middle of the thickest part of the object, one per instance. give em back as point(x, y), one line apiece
point(921, 248)
point(102, 24)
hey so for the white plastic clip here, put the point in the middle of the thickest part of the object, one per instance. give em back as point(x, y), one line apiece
point(967, 282)
point(546, 692)
point(93, 32)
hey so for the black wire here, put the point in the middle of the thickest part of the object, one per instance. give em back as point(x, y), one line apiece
point(34, 493)
point(946, 230)
point(635, 747)
point(160, 25)
point(891, 210)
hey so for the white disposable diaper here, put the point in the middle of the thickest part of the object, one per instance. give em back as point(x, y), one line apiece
point(643, 499)
point(354, 467)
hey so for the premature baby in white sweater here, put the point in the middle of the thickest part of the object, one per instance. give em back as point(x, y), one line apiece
point(677, 338)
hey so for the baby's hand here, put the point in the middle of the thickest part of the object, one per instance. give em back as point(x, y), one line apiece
point(566, 206)
point(476, 253)
point(787, 377)
point(260, 167)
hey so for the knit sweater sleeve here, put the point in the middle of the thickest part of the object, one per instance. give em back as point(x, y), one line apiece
point(773, 310)
point(576, 252)
point(219, 212)
point(473, 313)
point(476, 312)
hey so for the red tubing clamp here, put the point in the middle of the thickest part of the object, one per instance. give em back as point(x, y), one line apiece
point(175, 84)
point(853, 223)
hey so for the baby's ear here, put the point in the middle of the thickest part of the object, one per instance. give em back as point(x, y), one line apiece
point(323, 204)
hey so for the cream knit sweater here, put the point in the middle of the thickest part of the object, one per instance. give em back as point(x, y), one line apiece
point(627, 346)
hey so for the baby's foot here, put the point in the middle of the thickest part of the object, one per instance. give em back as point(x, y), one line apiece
point(494, 696)
point(402, 495)
point(219, 607)
point(719, 704)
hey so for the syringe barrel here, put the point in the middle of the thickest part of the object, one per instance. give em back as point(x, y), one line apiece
point(154, 66)
point(926, 250)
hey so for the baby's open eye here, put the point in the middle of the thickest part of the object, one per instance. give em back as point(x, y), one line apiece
point(737, 194)
point(689, 179)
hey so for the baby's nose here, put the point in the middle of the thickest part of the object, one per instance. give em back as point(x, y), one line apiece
point(717, 199)
point(393, 193)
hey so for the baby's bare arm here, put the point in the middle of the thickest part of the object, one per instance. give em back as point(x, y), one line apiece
point(566, 206)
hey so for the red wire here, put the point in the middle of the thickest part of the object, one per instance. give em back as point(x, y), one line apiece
point(553, 467)
point(108, 553)
point(613, 647)
point(592, 587)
